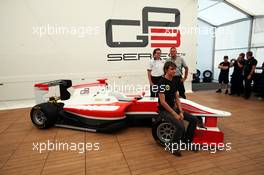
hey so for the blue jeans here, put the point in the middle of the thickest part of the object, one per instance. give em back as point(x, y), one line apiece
point(181, 134)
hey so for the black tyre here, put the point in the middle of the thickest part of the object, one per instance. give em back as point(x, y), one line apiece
point(196, 80)
point(232, 60)
point(197, 74)
point(207, 80)
point(45, 115)
point(207, 74)
point(162, 131)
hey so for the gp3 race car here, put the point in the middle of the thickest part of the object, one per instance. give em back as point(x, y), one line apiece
point(94, 107)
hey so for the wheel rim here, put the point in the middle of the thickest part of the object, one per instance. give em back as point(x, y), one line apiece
point(165, 132)
point(39, 117)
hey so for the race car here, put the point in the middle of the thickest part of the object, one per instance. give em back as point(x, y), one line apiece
point(96, 108)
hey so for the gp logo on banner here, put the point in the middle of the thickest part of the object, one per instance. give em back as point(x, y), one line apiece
point(166, 35)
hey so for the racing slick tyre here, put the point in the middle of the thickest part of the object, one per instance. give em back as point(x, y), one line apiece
point(232, 61)
point(162, 131)
point(196, 76)
point(198, 73)
point(44, 115)
point(208, 76)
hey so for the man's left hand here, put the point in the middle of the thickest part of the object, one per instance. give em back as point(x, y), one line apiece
point(181, 116)
point(249, 77)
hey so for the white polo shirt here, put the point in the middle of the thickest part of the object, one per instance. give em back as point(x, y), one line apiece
point(156, 67)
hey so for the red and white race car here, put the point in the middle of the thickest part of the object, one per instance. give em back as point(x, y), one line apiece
point(93, 107)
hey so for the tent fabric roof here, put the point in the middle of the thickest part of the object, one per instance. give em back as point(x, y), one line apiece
point(252, 7)
point(219, 12)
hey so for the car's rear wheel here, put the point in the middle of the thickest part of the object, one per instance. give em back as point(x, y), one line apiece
point(44, 115)
point(163, 131)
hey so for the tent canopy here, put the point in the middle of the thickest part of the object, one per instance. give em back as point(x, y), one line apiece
point(221, 12)
point(238, 26)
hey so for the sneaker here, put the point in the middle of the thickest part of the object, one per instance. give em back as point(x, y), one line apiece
point(246, 97)
point(226, 92)
point(177, 153)
point(194, 149)
point(219, 91)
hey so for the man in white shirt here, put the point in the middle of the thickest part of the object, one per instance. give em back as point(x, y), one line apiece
point(155, 71)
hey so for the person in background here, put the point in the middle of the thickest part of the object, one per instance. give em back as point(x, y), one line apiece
point(237, 76)
point(223, 76)
point(155, 71)
point(249, 70)
point(180, 63)
point(261, 84)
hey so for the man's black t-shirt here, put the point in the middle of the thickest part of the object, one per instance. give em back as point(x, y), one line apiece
point(237, 70)
point(248, 65)
point(168, 88)
point(226, 71)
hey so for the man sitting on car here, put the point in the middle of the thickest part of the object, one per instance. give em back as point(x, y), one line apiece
point(170, 107)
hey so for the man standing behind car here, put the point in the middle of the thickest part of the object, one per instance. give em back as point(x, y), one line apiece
point(180, 63)
point(223, 78)
point(237, 76)
point(249, 70)
point(155, 71)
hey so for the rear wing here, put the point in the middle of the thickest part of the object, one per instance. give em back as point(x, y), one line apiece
point(57, 88)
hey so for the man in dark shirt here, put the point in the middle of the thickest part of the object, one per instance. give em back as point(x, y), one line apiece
point(261, 84)
point(237, 76)
point(249, 70)
point(170, 107)
point(223, 76)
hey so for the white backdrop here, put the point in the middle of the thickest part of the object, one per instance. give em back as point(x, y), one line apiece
point(28, 56)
